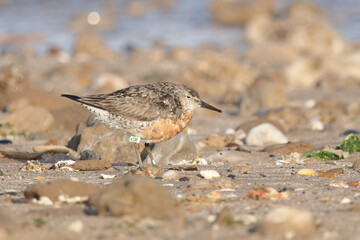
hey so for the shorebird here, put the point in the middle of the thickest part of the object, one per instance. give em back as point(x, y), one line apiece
point(149, 113)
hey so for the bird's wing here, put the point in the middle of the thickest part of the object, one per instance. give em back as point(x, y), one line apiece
point(141, 104)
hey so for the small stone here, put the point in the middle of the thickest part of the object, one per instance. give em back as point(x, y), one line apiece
point(91, 165)
point(184, 179)
point(345, 200)
point(356, 164)
point(327, 175)
point(266, 193)
point(170, 175)
point(335, 183)
point(265, 134)
point(317, 125)
point(62, 187)
point(105, 176)
point(287, 222)
point(288, 148)
point(174, 150)
point(217, 183)
point(137, 196)
point(354, 184)
point(194, 161)
point(336, 171)
point(240, 169)
point(1, 173)
point(218, 141)
point(307, 172)
point(232, 176)
point(209, 174)
point(64, 165)
point(76, 226)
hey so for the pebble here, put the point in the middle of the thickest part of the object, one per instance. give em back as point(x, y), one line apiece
point(335, 183)
point(64, 165)
point(105, 176)
point(317, 125)
point(353, 184)
point(63, 190)
point(184, 179)
point(218, 183)
point(356, 164)
point(335, 171)
point(287, 222)
point(5, 141)
point(136, 196)
point(1, 173)
point(217, 141)
point(288, 148)
point(209, 174)
point(76, 226)
point(91, 165)
point(170, 175)
point(195, 161)
point(230, 131)
point(265, 134)
point(306, 172)
point(327, 175)
point(345, 200)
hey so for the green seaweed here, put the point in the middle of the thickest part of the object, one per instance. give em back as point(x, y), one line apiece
point(351, 144)
point(322, 155)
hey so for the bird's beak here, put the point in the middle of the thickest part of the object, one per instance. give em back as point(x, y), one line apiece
point(208, 106)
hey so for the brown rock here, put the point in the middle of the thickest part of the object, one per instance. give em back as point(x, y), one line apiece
point(32, 119)
point(91, 165)
point(217, 140)
point(136, 196)
point(335, 171)
point(103, 142)
point(213, 184)
point(174, 150)
point(327, 175)
point(356, 164)
point(288, 148)
point(60, 187)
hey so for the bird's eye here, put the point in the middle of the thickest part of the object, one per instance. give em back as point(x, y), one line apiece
point(188, 96)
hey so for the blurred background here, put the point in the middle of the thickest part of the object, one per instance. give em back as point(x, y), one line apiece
point(245, 55)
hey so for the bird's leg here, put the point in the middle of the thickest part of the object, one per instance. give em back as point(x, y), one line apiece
point(137, 151)
point(147, 147)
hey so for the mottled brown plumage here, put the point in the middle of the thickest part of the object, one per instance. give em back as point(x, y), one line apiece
point(152, 112)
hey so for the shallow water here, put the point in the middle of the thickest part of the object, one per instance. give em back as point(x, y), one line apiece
point(185, 23)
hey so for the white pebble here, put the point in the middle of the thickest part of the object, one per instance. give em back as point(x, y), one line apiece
point(209, 174)
point(170, 175)
point(317, 125)
point(105, 176)
point(265, 134)
point(76, 226)
point(345, 200)
point(310, 103)
point(230, 131)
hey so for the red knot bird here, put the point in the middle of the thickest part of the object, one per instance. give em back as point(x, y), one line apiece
point(150, 113)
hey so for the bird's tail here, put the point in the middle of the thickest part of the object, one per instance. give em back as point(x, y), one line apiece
point(72, 97)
